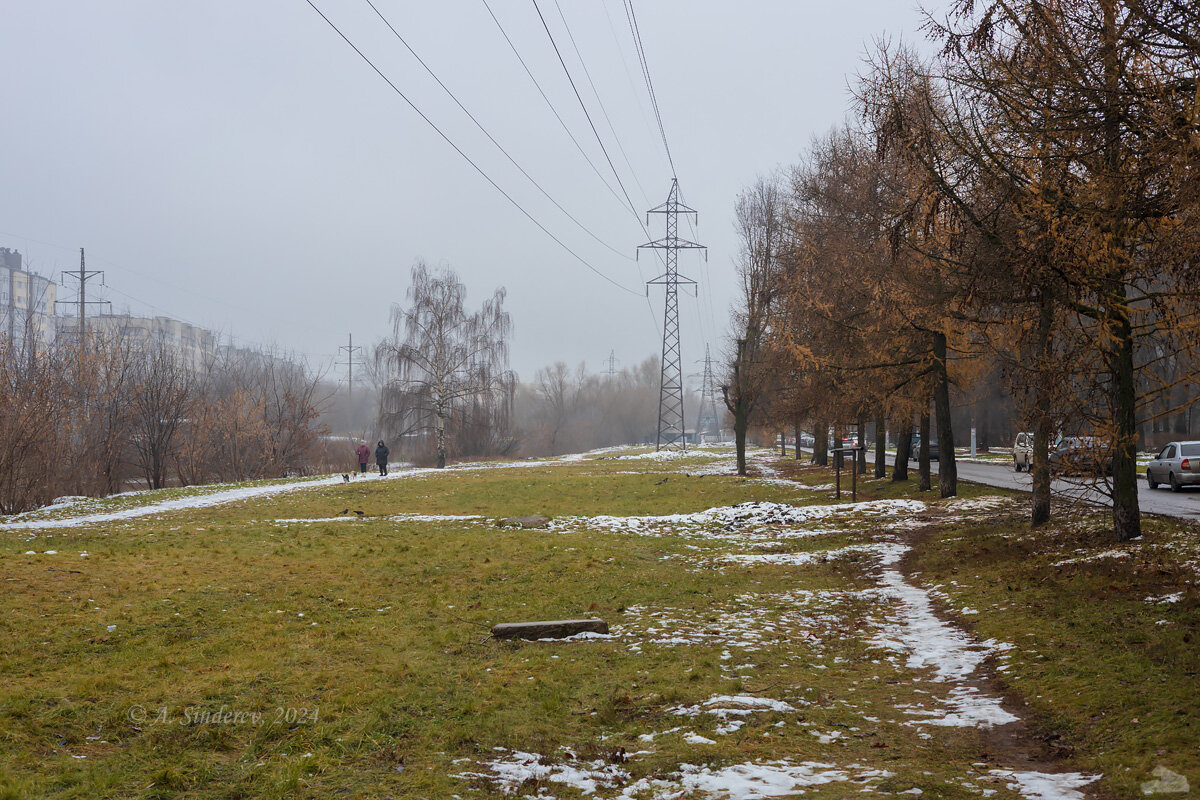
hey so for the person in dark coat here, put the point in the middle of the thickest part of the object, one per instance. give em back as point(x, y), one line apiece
point(364, 455)
point(381, 456)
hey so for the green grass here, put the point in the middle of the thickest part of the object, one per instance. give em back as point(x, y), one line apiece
point(1112, 675)
point(364, 644)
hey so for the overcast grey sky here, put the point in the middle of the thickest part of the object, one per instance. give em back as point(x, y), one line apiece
point(237, 165)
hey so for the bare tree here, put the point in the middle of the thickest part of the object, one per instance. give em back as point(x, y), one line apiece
point(762, 231)
point(160, 404)
point(442, 360)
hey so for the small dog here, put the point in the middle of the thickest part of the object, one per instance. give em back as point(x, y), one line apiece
point(345, 477)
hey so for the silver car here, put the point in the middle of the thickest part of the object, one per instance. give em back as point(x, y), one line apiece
point(1023, 452)
point(1177, 464)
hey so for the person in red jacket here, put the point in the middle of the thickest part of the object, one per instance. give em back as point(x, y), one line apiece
point(364, 455)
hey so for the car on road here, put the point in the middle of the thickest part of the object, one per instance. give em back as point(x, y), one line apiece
point(914, 449)
point(1087, 456)
point(1023, 452)
point(1177, 465)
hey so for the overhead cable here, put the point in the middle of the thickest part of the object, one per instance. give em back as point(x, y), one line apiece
point(491, 138)
point(641, 50)
point(460, 151)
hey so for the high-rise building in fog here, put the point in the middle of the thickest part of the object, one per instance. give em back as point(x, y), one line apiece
point(26, 303)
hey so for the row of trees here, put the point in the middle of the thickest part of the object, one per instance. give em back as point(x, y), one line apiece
point(571, 411)
point(102, 417)
point(1022, 208)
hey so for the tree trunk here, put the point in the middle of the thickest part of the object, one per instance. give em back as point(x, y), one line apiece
point(947, 469)
point(440, 427)
point(782, 444)
point(741, 420)
point(861, 456)
point(1127, 521)
point(1042, 420)
point(797, 438)
point(821, 443)
point(880, 447)
point(924, 483)
point(903, 443)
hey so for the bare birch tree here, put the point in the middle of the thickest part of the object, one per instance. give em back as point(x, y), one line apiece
point(442, 359)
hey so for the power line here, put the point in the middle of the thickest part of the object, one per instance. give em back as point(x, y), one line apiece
point(599, 101)
point(583, 105)
point(486, 133)
point(459, 150)
point(554, 111)
point(595, 132)
point(641, 50)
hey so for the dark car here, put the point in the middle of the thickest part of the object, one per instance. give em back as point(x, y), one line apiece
point(1086, 456)
point(1177, 464)
point(914, 449)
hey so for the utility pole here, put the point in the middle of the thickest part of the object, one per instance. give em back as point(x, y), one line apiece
point(670, 396)
point(708, 420)
point(350, 349)
point(83, 276)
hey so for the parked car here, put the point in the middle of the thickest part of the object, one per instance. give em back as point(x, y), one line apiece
point(1081, 455)
point(1023, 452)
point(914, 449)
point(807, 440)
point(1177, 464)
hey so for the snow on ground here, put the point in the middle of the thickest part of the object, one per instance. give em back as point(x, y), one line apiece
point(1096, 557)
point(1045, 786)
point(742, 781)
point(201, 500)
point(742, 518)
point(952, 655)
point(749, 623)
point(752, 781)
point(508, 773)
point(393, 517)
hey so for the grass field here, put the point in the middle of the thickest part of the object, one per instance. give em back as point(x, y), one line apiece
point(282, 646)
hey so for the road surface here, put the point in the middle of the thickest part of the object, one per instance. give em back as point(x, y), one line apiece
point(1185, 504)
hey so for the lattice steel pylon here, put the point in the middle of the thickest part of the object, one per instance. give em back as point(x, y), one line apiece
point(670, 395)
point(708, 420)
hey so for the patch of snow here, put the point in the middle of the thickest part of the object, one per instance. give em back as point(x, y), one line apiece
point(725, 706)
point(933, 644)
point(509, 773)
point(1044, 785)
point(1096, 557)
point(203, 500)
point(750, 781)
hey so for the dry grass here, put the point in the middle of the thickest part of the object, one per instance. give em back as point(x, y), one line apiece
point(375, 630)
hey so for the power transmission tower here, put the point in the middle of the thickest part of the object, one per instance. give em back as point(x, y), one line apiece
point(83, 276)
point(670, 396)
point(612, 364)
point(708, 419)
point(351, 349)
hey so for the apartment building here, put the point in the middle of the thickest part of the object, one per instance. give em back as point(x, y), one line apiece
point(195, 346)
point(26, 303)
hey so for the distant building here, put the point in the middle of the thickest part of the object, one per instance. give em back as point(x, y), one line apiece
point(26, 303)
point(195, 346)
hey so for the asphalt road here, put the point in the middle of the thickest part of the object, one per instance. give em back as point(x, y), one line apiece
point(1185, 504)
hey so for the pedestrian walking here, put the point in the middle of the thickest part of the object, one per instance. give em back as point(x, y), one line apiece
point(364, 455)
point(381, 456)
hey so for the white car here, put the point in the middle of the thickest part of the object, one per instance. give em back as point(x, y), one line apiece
point(1023, 452)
